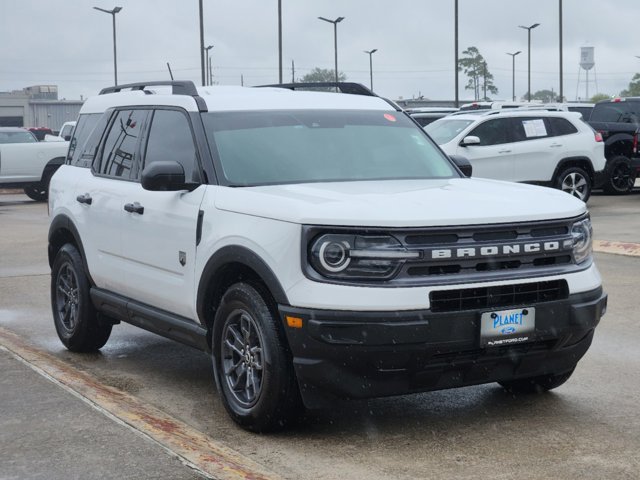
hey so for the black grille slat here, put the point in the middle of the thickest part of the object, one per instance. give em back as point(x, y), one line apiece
point(498, 297)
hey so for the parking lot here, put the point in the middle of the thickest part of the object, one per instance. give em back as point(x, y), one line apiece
point(588, 429)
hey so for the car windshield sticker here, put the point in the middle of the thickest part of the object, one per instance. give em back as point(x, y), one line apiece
point(534, 128)
point(389, 117)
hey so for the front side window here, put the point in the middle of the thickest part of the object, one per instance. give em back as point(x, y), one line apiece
point(121, 147)
point(444, 130)
point(301, 146)
point(492, 132)
point(170, 139)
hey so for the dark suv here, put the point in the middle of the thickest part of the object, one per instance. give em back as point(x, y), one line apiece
point(618, 121)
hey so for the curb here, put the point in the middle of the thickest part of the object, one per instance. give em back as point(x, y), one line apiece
point(617, 248)
point(194, 448)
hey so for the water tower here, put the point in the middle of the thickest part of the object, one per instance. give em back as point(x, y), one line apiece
point(587, 62)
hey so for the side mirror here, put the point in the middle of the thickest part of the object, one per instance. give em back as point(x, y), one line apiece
point(165, 177)
point(470, 140)
point(463, 164)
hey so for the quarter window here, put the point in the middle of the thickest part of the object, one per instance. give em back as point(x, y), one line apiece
point(81, 149)
point(170, 139)
point(120, 151)
point(561, 126)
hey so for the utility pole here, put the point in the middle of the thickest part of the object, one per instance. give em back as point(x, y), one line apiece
point(561, 99)
point(202, 67)
point(335, 41)
point(457, 98)
point(293, 72)
point(279, 41)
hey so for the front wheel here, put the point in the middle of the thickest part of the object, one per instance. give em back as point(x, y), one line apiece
point(75, 318)
point(37, 192)
point(254, 372)
point(621, 177)
point(575, 181)
point(537, 384)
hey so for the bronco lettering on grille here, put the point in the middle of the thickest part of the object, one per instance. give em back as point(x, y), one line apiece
point(493, 250)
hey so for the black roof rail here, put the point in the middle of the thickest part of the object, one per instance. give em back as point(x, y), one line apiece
point(179, 87)
point(343, 87)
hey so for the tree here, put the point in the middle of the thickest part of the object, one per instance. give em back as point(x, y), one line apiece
point(322, 75)
point(545, 96)
point(475, 67)
point(634, 87)
point(598, 97)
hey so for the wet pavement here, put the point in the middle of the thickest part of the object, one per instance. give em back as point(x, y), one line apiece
point(587, 429)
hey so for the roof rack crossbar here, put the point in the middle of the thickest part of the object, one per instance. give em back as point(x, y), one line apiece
point(344, 87)
point(178, 87)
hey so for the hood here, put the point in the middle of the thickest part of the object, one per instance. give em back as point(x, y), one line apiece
point(401, 203)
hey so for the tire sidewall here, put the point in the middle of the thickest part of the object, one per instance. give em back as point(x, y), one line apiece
point(613, 164)
point(568, 171)
point(275, 370)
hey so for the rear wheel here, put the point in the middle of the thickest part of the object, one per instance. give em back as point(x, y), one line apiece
point(254, 372)
point(576, 182)
point(37, 192)
point(75, 318)
point(537, 384)
point(620, 176)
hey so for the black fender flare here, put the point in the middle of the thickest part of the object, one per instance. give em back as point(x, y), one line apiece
point(241, 255)
point(63, 222)
point(584, 160)
point(51, 166)
point(618, 138)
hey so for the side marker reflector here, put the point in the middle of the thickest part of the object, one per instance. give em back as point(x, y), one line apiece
point(294, 322)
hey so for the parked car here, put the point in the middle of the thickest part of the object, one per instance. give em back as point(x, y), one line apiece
point(40, 132)
point(28, 164)
point(64, 135)
point(618, 120)
point(425, 115)
point(317, 245)
point(556, 149)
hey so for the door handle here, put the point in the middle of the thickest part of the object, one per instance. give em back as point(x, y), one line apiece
point(504, 151)
point(555, 145)
point(134, 208)
point(86, 199)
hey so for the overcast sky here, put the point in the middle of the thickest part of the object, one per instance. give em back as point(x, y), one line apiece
point(67, 43)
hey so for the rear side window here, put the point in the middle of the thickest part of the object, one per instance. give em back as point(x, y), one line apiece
point(122, 146)
point(616, 112)
point(492, 132)
point(170, 139)
point(530, 128)
point(81, 149)
point(561, 126)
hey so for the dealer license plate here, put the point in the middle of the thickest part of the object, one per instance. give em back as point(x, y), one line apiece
point(506, 327)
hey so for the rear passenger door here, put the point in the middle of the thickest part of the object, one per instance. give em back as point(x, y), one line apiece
point(536, 152)
point(159, 235)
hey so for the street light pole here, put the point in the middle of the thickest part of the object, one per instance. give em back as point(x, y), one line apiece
point(202, 42)
point(335, 40)
point(370, 53)
point(561, 55)
point(513, 73)
point(528, 29)
point(279, 41)
point(115, 53)
point(208, 64)
point(457, 104)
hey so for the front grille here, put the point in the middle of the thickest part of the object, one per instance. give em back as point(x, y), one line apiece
point(498, 297)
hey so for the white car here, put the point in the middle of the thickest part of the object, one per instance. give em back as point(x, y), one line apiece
point(556, 149)
point(317, 245)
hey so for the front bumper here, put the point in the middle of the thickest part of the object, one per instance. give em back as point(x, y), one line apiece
point(340, 354)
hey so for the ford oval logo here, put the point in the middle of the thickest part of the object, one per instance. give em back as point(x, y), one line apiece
point(508, 330)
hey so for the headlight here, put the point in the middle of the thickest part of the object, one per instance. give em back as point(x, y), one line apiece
point(582, 234)
point(358, 256)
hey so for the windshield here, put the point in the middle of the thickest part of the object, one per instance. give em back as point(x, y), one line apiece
point(17, 137)
point(444, 130)
point(301, 146)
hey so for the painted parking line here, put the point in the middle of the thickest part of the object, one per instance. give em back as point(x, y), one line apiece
point(193, 447)
point(617, 248)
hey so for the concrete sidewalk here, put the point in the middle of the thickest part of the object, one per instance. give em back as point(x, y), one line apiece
point(48, 433)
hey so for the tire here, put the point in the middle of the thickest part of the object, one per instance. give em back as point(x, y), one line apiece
point(37, 192)
point(538, 384)
point(78, 325)
point(252, 364)
point(575, 181)
point(620, 176)
point(40, 191)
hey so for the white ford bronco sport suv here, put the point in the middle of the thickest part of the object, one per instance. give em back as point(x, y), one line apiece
point(318, 245)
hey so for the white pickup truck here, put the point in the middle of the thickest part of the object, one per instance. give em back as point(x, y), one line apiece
point(28, 164)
